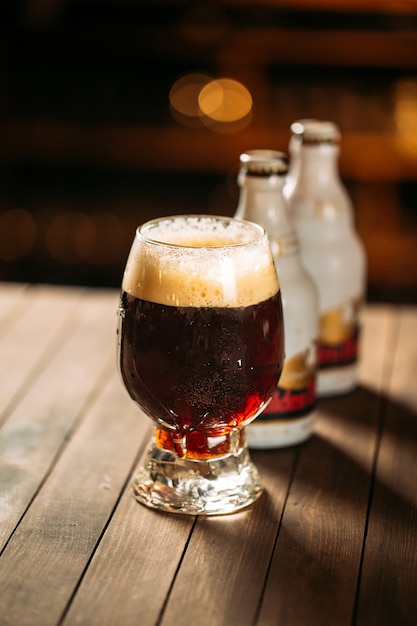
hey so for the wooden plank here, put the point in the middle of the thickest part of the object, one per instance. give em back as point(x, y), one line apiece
point(65, 521)
point(12, 297)
point(58, 568)
point(228, 557)
point(403, 387)
point(47, 554)
point(314, 570)
point(379, 327)
point(388, 593)
point(9, 296)
point(42, 318)
point(132, 570)
point(138, 559)
point(39, 424)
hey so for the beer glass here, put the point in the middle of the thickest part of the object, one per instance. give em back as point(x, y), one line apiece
point(200, 351)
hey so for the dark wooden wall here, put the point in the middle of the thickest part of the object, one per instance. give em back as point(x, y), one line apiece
point(90, 146)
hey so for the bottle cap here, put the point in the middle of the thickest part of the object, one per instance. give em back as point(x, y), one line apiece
point(315, 131)
point(264, 162)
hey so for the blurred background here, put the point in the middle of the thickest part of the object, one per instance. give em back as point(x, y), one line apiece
point(108, 118)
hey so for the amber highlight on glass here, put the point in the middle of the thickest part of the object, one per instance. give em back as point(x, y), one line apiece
point(201, 351)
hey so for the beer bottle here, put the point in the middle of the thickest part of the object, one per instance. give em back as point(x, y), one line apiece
point(330, 248)
point(289, 418)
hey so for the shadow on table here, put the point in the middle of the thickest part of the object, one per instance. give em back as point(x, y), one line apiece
point(347, 544)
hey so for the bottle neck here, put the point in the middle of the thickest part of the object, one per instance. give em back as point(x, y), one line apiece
point(261, 200)
point(317, 191)
point(318, 164)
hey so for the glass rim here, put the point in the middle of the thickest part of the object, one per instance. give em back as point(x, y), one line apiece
point(200, 216)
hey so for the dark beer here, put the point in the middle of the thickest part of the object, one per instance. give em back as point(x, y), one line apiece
point(201, 331)
point(200, 372)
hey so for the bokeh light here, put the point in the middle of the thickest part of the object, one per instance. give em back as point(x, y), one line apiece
point(406, 117)
point(225, 100)
point(17, 234)
point(63, 235)
point(184, 93)
point(223, 105)
point(105, 242)
point(98, 239)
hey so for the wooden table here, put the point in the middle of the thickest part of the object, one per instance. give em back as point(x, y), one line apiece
point(333, 540)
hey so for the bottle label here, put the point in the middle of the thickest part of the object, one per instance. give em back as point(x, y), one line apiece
point(339, 336)
point(295, 395)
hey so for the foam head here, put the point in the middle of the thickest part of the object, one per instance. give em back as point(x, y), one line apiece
point(201, 261)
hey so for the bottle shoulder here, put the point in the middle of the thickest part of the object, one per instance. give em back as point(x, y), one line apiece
point(272, 213)
point(300, 304)
point(338, 235)
point(338, 267)
point(295, 280)
point(323, 204)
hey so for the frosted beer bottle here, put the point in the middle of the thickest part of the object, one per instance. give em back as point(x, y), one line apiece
point(289, 418)
point(330, 249)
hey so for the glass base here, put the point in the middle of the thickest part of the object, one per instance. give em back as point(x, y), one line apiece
point(212, 487)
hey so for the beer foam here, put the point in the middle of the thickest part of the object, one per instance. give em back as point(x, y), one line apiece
point(201, 263)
